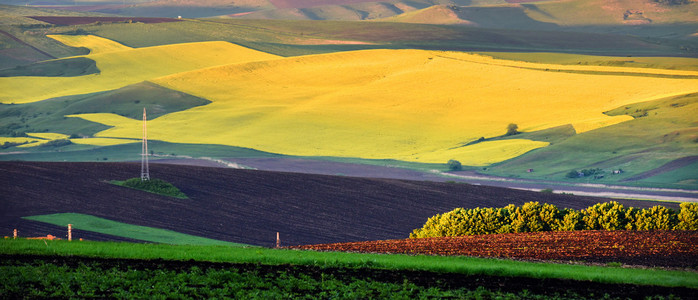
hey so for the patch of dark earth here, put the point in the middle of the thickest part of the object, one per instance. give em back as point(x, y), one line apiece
point(247, 206)
point(670, 166)
point(427, 279)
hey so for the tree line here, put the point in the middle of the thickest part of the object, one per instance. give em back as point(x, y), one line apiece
point(536, 217)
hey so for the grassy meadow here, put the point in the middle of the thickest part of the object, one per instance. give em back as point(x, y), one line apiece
point(142, 233)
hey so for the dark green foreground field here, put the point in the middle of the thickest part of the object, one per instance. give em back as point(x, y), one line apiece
point(57, 269)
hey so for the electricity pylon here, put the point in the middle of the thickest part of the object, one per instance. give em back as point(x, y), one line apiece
point(145, 172)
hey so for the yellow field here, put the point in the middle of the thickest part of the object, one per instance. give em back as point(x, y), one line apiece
point(94, 43)
point(48, 135)
point(121, 68)
point(409, 105)
point(18, 140)
point(103, 141)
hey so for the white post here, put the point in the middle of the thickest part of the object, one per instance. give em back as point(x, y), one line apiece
point(70, 232)
point(278, 240)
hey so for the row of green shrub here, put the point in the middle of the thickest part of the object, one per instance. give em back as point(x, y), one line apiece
point(536, 217)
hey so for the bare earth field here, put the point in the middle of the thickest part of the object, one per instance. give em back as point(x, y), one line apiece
point(247, 206)
point(675, 249)
point(60, 20)
point(298, 165)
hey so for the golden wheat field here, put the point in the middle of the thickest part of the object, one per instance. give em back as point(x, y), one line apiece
point(411, 105)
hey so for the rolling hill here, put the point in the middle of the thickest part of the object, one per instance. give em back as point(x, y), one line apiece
point(262, 105)
point(365, 92)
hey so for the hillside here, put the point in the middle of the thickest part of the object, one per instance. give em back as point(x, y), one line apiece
point(246, 206)
point(395, 89)
point(359, 92)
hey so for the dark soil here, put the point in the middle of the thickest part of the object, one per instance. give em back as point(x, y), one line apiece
point(420, 278)
point(670, 166)
point(312, 3)
point(62, 21)
point(247, 206)
point(665, 249)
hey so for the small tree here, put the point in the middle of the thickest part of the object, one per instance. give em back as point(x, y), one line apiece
point(512, 129)
point(607, 216)
point(454, 165)
point(688, 216)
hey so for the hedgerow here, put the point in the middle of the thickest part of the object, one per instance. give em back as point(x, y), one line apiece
point(536, 217)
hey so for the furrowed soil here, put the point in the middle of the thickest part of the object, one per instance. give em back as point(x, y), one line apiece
point(552, 287)
point(674, 249)
point(64, 21)
point(247, 206)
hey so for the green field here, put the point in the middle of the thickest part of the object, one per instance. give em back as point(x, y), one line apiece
point(448, 264)
point(142, 233)
point(661, 131)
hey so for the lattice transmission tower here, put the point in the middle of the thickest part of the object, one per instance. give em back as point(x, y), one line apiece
point(145, 171)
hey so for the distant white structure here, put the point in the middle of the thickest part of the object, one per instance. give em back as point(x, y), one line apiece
point(145, 171)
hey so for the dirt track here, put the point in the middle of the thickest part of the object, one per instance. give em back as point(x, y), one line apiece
point(247, 206)
point(358, 170)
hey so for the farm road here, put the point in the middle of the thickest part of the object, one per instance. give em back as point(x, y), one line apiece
point(356, 170)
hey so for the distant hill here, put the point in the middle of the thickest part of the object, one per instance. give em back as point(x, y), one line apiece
point(621, 16)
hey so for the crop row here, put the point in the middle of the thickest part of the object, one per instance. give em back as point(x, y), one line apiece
point(668, 248)
point(57, 278)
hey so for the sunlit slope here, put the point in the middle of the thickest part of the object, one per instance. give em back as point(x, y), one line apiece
point(604, 12)
point(550, 14)
point(94, 43)
point(409, 105)
point(121, 68)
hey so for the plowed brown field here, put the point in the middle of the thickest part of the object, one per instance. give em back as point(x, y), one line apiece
point(647, 248)
point(246, 206)
point(60, 20)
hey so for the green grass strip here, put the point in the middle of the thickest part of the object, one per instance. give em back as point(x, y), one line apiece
point(143, 233)
point(447, 264)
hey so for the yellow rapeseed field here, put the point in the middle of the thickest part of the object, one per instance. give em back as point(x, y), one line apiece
point(409, 105)
point(103, 141)
point(121, 68)
point(94, 43)
point(48, 135)
point(18, 140)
